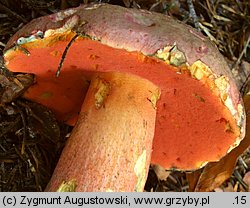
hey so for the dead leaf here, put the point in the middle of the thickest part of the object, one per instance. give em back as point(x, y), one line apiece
point(246, 179)
point(161, 173)
point(215, 173)
point(193, 178)
point(12, 87)
point(41, 121)
point(229, 188)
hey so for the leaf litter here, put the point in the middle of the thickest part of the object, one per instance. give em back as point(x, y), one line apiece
point(31, 139)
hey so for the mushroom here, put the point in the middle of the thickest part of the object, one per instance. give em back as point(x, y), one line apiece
point(162, 66)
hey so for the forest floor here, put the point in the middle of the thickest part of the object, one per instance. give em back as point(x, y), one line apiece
point(25, 127)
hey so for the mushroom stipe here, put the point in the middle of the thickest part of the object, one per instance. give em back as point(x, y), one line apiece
point(113, 135)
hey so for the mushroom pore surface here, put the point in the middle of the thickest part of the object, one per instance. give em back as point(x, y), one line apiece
point(192, 127)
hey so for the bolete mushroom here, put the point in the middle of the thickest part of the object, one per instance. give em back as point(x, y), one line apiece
point(199, 112)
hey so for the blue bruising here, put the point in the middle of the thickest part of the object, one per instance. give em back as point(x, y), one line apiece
point(22, 40)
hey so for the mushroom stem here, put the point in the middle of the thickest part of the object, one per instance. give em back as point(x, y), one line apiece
point(110, 146)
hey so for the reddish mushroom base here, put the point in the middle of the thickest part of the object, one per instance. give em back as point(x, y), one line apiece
point(192, 124)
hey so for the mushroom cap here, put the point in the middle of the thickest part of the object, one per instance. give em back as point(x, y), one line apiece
point(200, 116)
